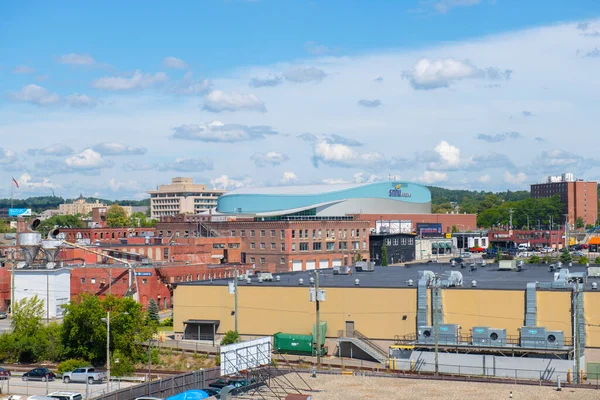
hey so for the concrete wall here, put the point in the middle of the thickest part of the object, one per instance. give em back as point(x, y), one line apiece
point(489, 365)
point(52, 286)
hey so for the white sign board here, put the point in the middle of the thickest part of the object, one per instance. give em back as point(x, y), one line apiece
point(245, 355)
point(393, 226)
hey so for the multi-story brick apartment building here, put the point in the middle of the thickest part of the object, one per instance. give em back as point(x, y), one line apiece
point(579, 197)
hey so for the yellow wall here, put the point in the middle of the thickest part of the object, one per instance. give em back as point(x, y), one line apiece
point(554, 311)
point(493, 308)
point(377, 313)
point(591, 301)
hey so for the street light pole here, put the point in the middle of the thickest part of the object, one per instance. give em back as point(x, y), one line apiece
point(318, 316)
point(108, 351)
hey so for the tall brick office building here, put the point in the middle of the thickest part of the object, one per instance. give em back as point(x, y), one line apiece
point(580, 197)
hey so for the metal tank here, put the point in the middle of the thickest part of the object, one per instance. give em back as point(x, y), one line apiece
point(29, 243)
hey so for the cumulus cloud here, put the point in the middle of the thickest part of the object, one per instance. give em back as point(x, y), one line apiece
point(188, 165)
point(266, 81)
point(77, 100)
point(498, 137)
point(315, 49)
point(217, 131)
point(133, 166)
point(23, 69)
point(7, 156)
point(593, 53)
point(117, 149)
point(339, 155)
point(35, 94)
point(329, 138)
point(117, 186)
point(305, 74)
point(26, 181)
point(540, 139)
point(443, 6)
point(174, 63)
point(441, 73)
point(225, 182)
point(57, 150)
point(448, 156)
point(137, 81)
point(430, 177)
point(492, 160)
point(515, 179)
point(218, 101)
point(86, 160)
point(190, 87)
point(77, 59)
point(360, 177)
point(369, 103)
point(289, 177)
point(269, 159)
point(484, 179)
point(587, 29)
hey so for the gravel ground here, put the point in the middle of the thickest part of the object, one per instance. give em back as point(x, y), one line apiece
point(358, 387)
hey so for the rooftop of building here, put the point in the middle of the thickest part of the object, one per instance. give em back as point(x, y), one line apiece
point(488, 277)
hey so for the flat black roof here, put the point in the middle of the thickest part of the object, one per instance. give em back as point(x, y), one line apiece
point(488, 277)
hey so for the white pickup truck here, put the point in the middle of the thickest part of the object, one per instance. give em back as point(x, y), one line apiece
point(89, 375)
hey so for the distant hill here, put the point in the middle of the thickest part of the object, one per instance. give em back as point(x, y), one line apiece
point(441, 195)
point(39, 204)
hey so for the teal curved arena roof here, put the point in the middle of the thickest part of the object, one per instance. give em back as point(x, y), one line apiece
point(293, 198)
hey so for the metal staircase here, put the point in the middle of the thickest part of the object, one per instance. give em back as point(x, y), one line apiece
point(365, 344)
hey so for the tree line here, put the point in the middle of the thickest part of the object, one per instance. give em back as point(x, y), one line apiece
point(41, 203)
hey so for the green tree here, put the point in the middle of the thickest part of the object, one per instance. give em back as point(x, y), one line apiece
point(121, 364)
point(454, 229)
point(27, 316)
point(565, 256)
point(534, 259)
point(358, 257)
point(60, 221)
point(597, 260)
point(116, 217)
point(384, 255)
point(153, 312)
point(230, 337)
point(583, 260)
point(579, 223)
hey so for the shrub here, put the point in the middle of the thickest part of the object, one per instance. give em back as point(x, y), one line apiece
point(124, 366)
point(70, 365)
point(597, 260)
point(230, 337)
point(167, 322)
point(547, 259)
point(534, 259)
point(583, 260)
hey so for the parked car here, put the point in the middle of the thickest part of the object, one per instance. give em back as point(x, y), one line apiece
point(4, 373)
point(65, 395)
point(39, 374)
point(3, 315)
point(88, 374)
point(578, 253)
point(465, 255)
point(457, 260)
point(547, 250)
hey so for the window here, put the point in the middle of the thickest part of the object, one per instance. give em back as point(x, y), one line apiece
point(203, 277)
point(252, 245)
point(233, 233)
point(93, 280)
point(314, 233)
point(327, 234)
point(343, 246)
point(82, 280)
point(263, 233)
point(364, 245)
point(252, 232)
point(272, 246)
point(300, 233)
point(352, 233)
point(320, 234)
point(282, 260)
point(388, 242)
point(316, 246)
point(166, 253)
point(242, 233)
point(304, 246)
point(198, 277)
point(364, 233)
point(293, 234)
point(252, 259)
point(345, 233)
point(233, 245)
point(330, 246)
point(272, 232)
point(218, 245)
point(411, 241)
point(403, 241)
point(282, 246)
point(262, 260)
point(356, 245)
point(293, 246)
point(282, 234)
point(395, 242)
point(263, 246)
point(143, 281)
point(306, 233)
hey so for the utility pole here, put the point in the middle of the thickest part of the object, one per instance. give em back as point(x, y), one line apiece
point(12, 281)
point(576, 332)
point(318, 316)
point(108, 351)
point(566, 231)
point(510, 212)
point(435, 320)
point(235, 295)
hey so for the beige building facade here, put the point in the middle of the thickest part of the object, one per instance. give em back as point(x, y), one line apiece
point(182, 196)
point(79, 206)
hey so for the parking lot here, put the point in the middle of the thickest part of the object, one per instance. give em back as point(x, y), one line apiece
point(16, 386)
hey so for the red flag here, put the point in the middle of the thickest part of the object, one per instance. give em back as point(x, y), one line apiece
point(15, 182)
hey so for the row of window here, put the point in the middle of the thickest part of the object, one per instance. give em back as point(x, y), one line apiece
point(262, 232)
point(403, 241)
point(329, 233)
point(263, 246)
point(230, 245)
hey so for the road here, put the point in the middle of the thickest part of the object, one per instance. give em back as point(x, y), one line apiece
point(16, 386)
point(4, 325)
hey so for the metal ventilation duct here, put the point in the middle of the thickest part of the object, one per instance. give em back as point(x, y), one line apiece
point(531, 304)
point(51, 249)
point(29, 243)
point(422, 302)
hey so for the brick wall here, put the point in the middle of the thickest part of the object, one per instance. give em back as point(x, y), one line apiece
point(464, 222)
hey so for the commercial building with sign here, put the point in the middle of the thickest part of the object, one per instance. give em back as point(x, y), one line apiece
point(340, 200)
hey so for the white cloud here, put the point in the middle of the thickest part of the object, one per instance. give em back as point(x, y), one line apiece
point(86, 160)
point(334, 181)
point(77, 59)
point(225, 182)
point(191, 87)
point(443, 6)
point(315, 49)
point(484, 179)
point(174, 63)
point(268, 159)
point(133, 166)
point(430, 177)
point(7, 156)
point(35, 94)
point(515, 179)
point(289, 177)
point(137, 81)
point(26, 181)
point(217, 131)
point(117, 149)
point(305, 74)
point(129, 185)
point(360, 177)
point(57, 150)
point(266, 81)
point(80, 101)
point(218, 101)
point(23, 69)
point(441, 73)
point(449, 156)
point(340, 155)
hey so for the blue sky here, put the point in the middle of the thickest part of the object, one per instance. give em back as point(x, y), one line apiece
point(111, 98)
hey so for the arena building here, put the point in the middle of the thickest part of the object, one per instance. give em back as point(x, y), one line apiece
point(340, 200)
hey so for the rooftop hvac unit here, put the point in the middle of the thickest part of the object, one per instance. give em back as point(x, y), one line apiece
point(364, 266)
point(448, 334)
point(555, 339)
point(341, 270)
point(485, 336)
point(425, 335)
point(507, 265)
point(533, 337)
point(593, 272)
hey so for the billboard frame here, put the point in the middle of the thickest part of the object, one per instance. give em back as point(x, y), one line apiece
point(246, 355)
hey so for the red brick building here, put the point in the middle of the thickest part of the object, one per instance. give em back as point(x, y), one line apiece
point(105, 235)
point(463, 222)
point(536, 238)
